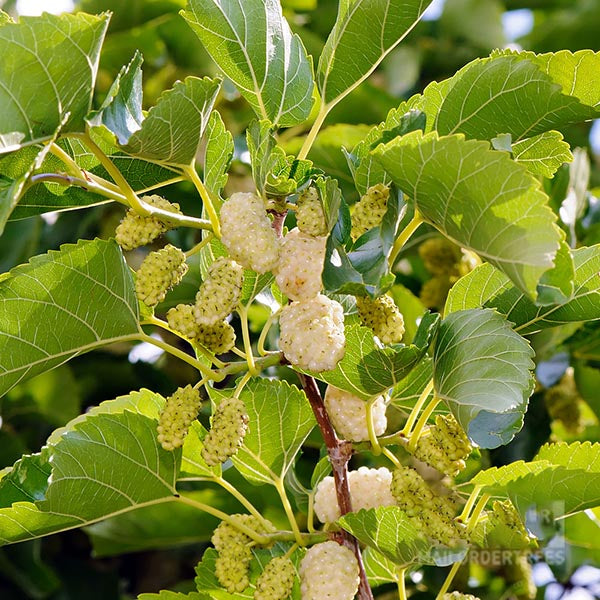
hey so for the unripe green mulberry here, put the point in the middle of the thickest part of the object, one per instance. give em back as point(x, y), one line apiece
point(181, 319)
point(136, 230)
point(458, 596)
point(434, 292)
point(410, 490)
point(232, 566)
point(177, 415)
point(300, 265)
point(519, 573)
point(220, 292)
point(440, 256)
point(310, 217)
point(276, 581)
point(219, 338)
point(329, 571)
point(382, 316)
point(504, 514)
point(158, 273)
point(226, 534)
point(563, 403)
point(229, 426)
point(247, 234)
point(369, 210)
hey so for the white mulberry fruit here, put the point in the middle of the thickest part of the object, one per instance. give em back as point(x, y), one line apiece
point(312, 333)
point(158, 273)
point(276, 581)
point(247, 234)
point(310, 216)
point(136, 230)
point(220, 292)
point(382, 316)
point(369, 210)
point(180, 409)
point(181, 319)
point(348, 413)
point(329, 571)
point(369, 488)
point(219, 338)
point(300, 265)
point(229, 426)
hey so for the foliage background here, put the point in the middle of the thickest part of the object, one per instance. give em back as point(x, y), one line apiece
point(104, 562)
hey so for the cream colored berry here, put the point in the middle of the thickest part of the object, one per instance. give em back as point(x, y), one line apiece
point(158, 273)
point(219, 338)
point(229, 426)
point(369, 488)
point(180, 409)
point(312, 333)
point(369, 210)
point(458, 596)
point(181, 319)
point(348, 413)
point(382, 316)
point(220, 292)
point(329, 571)
point(247, 234)
point(310, 216)
point(136, 230)
point(276, 581)
point(300, 265)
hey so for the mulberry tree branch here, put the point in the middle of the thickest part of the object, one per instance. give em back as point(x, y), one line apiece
point(339, 453)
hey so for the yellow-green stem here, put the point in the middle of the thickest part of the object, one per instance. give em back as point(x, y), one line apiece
point(314, 130)
point(468, 507)
point(74, 168)
point(401, 583)
point(193, 176)
point(375, 446)
point(421, 423)
point(448, 581)
point(199, 246)
point(414, 413)
point(206, 372)
point(389, 454)
point(287, 507)
point(238, 352)
point(246, 338)
point(291, 551)
point(412, 226)
point(243, 501)
point(240, 386)
point(259, 539)
point(310, 517)
point(265, 331)
point(474, 517)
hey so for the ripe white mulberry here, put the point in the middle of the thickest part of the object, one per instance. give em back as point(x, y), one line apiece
point(229, 426)
point(276, 581)
point(348, 413)
point(220, 292)
point(382, 316)
point(312, 333)
point(181, 319)
point(369, 210)
point(369, 488)
point(247, 234)
point(136, 230)
point(300, 265)
point(309, 213)
point(329, 571)
point(159, 272)
point(180, 409)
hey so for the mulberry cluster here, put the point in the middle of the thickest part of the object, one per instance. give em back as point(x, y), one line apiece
point(434, 514)
point(348, 413)
point(502, 516)
point(309, 213)
point(159, 272)
point(300, 265)
point(247, 234)
point(329, 571)
point(276, 581)
point(382, 316)
point(136, 230)
point(445, 446)
point(218, 338)
point(369, 210)
point(219, 293)
point(312, 333)
point(177, 415)
point(229, 426)
point(458, 596)
point(235, 554)
point(369, 488)
point(564, 403)
point(519, 573)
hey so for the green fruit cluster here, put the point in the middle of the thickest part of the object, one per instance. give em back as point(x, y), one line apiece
point(369, 210)
point(382, 316)
point(229, 426)
point(276, 581)
point(310, 217)
point(564, 404)
point(177, 415)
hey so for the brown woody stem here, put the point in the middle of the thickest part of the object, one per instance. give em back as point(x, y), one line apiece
point(339, 453)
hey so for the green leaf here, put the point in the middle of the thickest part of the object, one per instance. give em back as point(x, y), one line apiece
point(543, 154)
point(389, 530)
point(365, 31)
point(61, 304)
point(217, 155)
point(331, 199)
point(368, 370)
point(379, 568)
point(172, 131)
point(475, 196)
point(121, 112)
point(520, 94)
point(488, 287)
point(280, 421)
point(192, 462)
point(252, 44)
point(563, 478)
point(482, 371)
point(47, 75)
